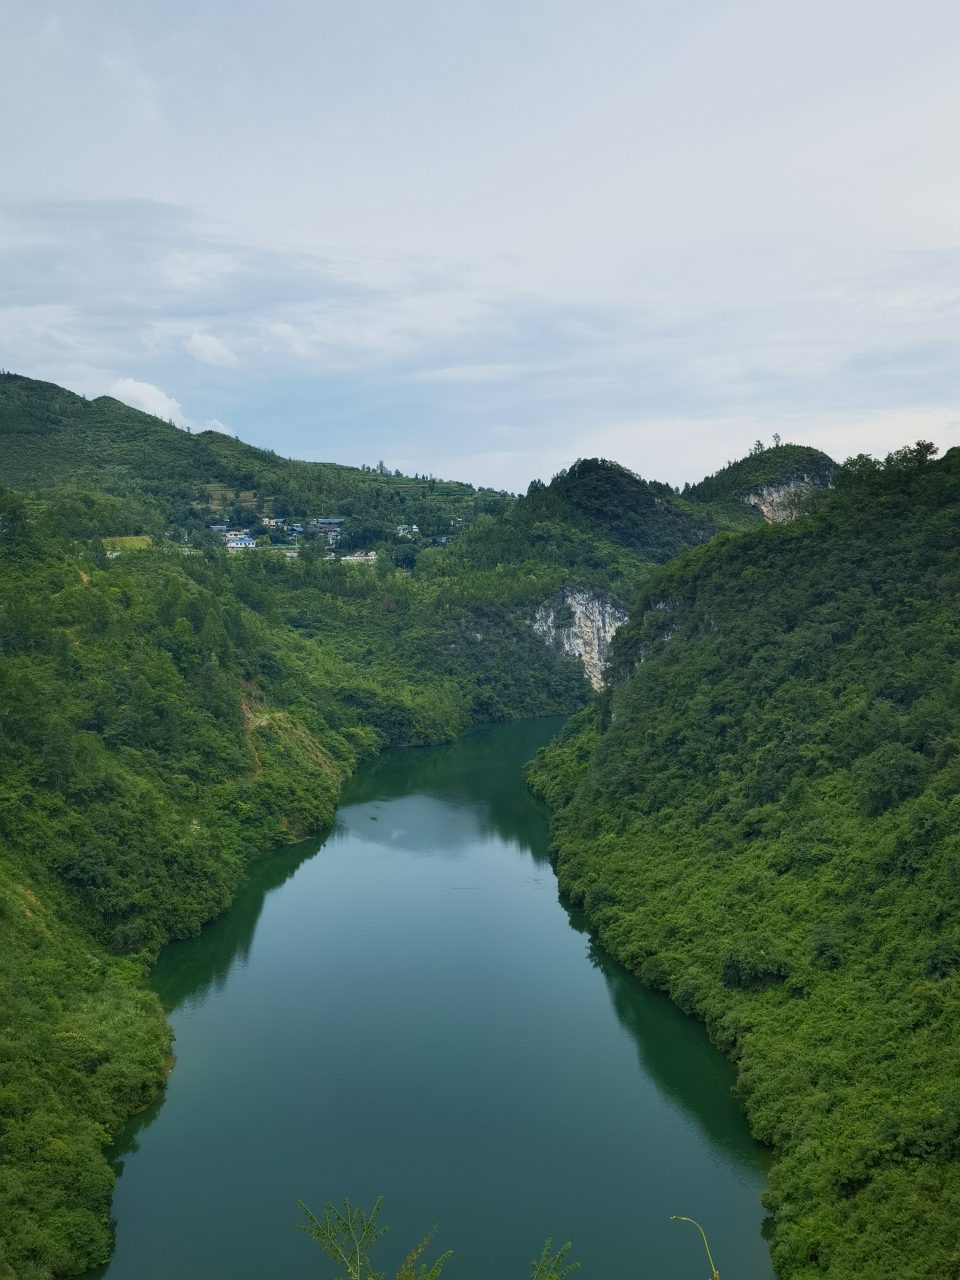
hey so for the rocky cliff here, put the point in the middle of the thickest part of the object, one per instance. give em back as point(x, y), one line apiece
point(780, 500)
point(580, 623)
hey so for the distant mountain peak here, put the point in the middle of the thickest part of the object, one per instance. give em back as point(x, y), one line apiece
point(770, 480)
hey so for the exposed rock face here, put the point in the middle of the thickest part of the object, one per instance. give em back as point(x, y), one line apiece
point(780, 501)
point(580, 623)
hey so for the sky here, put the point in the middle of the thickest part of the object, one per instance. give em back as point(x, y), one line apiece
point(481, 239)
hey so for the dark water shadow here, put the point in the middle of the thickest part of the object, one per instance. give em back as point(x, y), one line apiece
point(126, 1144)
point(192, 967)
point(675, 1052)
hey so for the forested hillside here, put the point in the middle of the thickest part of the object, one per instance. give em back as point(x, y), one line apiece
point(49, 436)
point(761, 818)
point(165, 717)
point(169, 711)
point(783, 465)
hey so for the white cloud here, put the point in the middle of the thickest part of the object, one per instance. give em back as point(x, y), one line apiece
point(287, 333)
point(472, 373)
point(145, 396)
point(213, 424)
point(341, 364)
point(655, 231)
point(210, 350)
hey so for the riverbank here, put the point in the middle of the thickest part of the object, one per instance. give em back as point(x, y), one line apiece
point(760, 818)
point(162, 726)
point(410, 1011)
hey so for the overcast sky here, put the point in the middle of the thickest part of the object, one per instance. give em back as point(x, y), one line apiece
point(481, 239)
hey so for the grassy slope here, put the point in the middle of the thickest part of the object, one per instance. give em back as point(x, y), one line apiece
point(762, 819)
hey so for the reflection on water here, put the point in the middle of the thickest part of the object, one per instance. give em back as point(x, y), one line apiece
point(413, 1012)
point(686, 1068)
point(194, 967)
point(480, 772)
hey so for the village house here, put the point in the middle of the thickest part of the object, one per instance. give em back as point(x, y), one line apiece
point(330, 528)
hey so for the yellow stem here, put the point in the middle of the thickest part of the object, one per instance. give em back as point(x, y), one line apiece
point(676, 1217)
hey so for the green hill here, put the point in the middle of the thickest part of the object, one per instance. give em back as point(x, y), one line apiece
point(762, 817)
point(50, 436)
point(607, 500)
point(782, 465)
point(608, 527)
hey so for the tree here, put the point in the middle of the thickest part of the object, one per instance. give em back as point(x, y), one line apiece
point(348, 1236)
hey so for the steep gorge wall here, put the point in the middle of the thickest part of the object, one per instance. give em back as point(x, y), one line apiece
point(580, 623)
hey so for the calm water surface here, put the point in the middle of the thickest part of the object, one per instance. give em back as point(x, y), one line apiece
point(406, 1009)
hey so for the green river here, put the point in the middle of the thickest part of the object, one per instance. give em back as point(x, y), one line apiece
point(406, 1008)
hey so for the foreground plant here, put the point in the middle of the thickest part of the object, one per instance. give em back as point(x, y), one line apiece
point(347, 1238)
point(714, 1273)
point(547, 1268)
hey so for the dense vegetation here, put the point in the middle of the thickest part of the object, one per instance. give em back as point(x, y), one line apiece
point(611, 502)
point(166, 716)
point(779, 465)
point(50, 436)
point(168, 711)
point(607, 521)
point(761, 818)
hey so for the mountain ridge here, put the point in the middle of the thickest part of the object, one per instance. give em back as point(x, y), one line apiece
point(50, 435)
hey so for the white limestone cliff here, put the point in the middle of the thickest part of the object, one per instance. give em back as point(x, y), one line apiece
point(781, 501)
point(581, 622)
